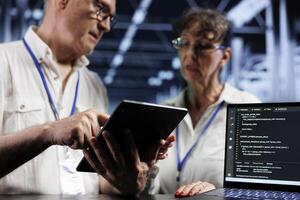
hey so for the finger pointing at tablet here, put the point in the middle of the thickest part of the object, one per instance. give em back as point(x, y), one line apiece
point(75, 131)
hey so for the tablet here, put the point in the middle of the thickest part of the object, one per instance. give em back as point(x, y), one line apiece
point(148, 123)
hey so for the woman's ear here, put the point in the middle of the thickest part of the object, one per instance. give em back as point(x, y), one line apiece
point(226, 56)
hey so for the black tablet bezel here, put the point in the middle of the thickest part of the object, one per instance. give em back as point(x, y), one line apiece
point(151, 121)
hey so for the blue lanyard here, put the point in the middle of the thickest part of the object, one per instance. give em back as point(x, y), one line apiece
point(181, 163)
point(51, 102)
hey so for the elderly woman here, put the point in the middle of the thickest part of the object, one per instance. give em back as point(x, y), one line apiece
point(196, 163)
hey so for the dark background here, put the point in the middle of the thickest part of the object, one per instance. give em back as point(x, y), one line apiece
point(265, 46)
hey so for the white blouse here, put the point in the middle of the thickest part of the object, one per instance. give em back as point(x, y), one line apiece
point(206, 162)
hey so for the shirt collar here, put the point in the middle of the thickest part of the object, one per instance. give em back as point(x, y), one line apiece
point(37, 45)
point(226, 95)
point(43, 52)
point(178, 101)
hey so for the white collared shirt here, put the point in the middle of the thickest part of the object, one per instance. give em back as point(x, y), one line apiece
point(206, 162)
point(24, 103)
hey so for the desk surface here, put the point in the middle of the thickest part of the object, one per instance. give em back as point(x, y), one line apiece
point(84, 197)
point(95, 197)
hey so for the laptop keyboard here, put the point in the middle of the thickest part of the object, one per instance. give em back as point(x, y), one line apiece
point(260, 194)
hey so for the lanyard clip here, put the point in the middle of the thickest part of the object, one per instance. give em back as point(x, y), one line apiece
point(178, 176)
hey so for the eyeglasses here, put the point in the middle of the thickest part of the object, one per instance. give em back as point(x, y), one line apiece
point(181, 43)
point(103, 12)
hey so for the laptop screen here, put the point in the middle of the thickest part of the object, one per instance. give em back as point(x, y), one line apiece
point(263, 144)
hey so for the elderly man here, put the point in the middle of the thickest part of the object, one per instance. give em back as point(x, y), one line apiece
point(43, 82)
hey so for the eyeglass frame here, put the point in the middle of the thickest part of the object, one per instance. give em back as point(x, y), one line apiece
point(100, 7)
point(198, 50)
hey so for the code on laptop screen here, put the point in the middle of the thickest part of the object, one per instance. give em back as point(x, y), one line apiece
point(263, 144)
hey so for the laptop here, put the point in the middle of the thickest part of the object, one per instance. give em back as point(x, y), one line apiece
point(262, 155)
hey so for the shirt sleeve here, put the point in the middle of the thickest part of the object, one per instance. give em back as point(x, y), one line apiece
point(1, 91)
point(4, 77)
point(153, 184)
point(102, 92)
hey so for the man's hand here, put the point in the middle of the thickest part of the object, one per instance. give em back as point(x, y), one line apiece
point(123, 170)
point(194, 189)
point(75, 131)
point(17, 148)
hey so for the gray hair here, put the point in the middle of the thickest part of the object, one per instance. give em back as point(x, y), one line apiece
point(207, 19)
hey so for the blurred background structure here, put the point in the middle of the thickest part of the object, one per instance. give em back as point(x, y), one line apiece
point(137, 61)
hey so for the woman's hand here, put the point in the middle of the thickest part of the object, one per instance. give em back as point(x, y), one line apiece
point(165, 145)
point(194, 189)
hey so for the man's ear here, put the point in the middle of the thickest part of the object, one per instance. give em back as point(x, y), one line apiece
point(226, 56)
point(62, 3)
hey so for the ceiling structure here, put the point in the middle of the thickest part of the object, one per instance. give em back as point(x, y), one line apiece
point(136, 59)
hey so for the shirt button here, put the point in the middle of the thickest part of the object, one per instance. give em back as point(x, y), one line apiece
point(22, 107)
